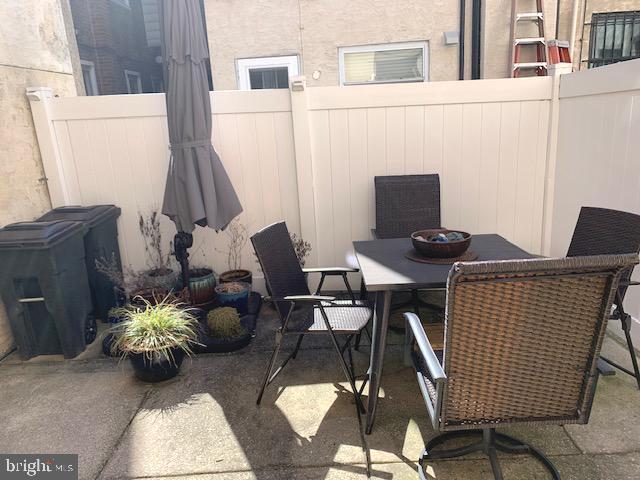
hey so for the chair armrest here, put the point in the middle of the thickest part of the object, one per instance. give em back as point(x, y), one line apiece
point(309, 298)
point(426, 351)
point(631, 283)
point(331, 270)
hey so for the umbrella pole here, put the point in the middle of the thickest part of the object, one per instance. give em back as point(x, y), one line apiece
point(181, 242)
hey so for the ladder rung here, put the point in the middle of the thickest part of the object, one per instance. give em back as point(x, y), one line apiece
point(528, 41)
point(529, 16)
point(530, 65)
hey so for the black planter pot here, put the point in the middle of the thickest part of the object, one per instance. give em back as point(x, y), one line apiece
point(210, 344)
point(156, 370)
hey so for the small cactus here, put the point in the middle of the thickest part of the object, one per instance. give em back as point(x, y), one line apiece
point(224, 323)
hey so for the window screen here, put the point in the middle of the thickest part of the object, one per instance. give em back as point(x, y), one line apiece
point(615, 37)
point(277, 77)
point(384, 66)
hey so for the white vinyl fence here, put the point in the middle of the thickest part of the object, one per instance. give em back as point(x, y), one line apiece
point(598, 157)
point(309, 155)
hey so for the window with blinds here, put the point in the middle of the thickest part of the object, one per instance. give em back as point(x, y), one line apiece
point(615, 37)
point(389, 63)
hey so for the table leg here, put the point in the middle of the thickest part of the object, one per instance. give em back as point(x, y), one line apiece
point(378, 344)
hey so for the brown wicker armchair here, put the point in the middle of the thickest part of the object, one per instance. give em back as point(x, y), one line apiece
point(521, 342)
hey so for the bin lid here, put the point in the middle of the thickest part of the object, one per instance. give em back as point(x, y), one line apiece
point(92, 215)
point(38, 235)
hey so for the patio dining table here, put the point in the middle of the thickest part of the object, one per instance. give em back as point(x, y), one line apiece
point(385, 269)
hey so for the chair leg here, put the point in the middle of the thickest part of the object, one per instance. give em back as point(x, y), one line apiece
point(295, 351)
point(626, 327)
point(490, 444)
point(415, 300)
point(272, 362)
point(356, 344)
point(343, 364)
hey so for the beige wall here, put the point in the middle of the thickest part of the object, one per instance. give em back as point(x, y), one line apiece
point(314, 29)
point(34, 50)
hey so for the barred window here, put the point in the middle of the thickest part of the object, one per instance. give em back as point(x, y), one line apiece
point(615, 37)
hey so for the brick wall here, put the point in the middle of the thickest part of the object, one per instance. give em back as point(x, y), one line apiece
point(113, 37)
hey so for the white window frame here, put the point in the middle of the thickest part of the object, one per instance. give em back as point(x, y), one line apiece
point(139, 80)
point(381, 47)
point(243, 65)
point(92, 75)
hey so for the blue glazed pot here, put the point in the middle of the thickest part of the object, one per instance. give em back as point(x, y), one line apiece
point(237, 300)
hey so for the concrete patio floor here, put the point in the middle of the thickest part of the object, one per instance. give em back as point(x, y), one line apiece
point(205, 423)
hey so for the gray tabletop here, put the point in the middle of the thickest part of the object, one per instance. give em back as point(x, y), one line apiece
point(384, 266)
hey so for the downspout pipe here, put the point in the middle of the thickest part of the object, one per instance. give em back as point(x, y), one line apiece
point(574, 26)
point(476, 17)
point(461, 41)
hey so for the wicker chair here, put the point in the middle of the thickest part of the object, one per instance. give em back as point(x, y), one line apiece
point(405, 204)
point(521, 342)
point(600, 231)
point(302, 313)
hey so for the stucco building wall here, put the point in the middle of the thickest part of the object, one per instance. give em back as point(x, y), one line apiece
point(34, 51)
point(314, 29)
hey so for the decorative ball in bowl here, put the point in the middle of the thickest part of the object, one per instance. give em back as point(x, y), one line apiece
point(440, 242)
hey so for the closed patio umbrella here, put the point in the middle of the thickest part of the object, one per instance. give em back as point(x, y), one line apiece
point(198, 190)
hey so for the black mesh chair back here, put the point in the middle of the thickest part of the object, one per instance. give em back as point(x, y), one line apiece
point(406, 203)
point(279, 263)
point(601, 231)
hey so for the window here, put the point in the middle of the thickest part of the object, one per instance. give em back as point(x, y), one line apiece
point(615, 37)
point(390, 63)
point(89, 77)
point(266, 72)
point(134, 83)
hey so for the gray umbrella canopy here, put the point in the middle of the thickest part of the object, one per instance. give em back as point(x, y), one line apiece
point(198, 189)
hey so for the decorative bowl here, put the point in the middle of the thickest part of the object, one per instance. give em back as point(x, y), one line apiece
point(433, 249)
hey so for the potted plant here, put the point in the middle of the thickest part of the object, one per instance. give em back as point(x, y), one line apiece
point(159, 277)
point(233, 294)
point(115, 316)
point(155, 338)
point(202, 283)
point(238, 237)
point(129, 284)
point(301, 247)
point(224, 331)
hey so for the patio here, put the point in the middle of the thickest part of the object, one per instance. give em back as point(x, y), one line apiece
point(205, 424)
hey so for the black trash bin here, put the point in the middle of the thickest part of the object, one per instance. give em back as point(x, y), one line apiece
point(100, 242)
point(44, 286)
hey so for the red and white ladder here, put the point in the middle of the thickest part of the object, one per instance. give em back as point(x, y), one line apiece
point(518, 22)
